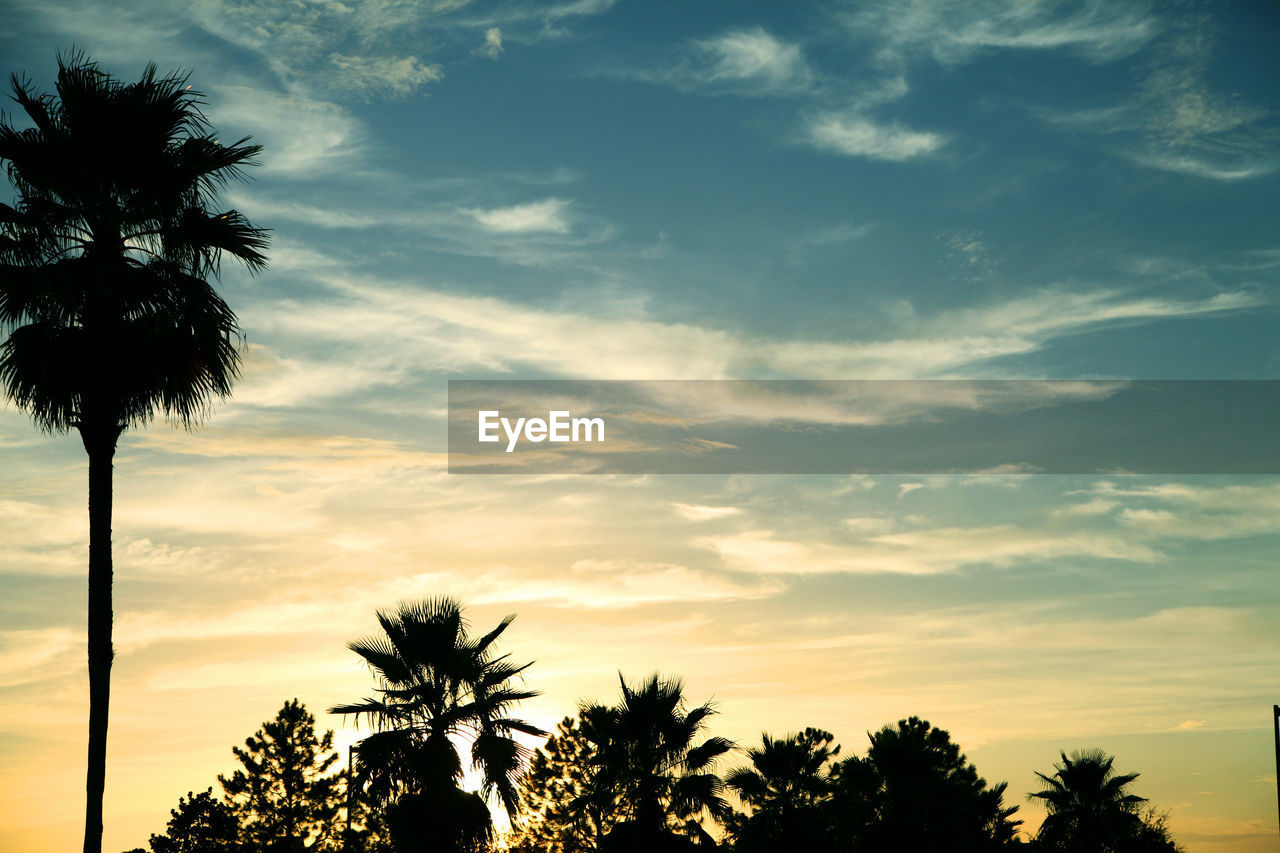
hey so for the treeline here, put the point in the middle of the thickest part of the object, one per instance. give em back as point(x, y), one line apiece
point(641, 774)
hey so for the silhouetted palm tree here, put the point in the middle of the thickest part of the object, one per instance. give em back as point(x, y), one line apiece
point(1089, 806)
point(436, 682)
point(104, 267)
point(646, 758)
point(786, 783)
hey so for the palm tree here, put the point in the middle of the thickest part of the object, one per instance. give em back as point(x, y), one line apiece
point(647, 760)
point(436, 683)
point(1090, 808)
point(784, 787)
point(105, 262)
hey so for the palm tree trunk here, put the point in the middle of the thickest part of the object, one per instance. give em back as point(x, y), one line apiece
point(101, 449)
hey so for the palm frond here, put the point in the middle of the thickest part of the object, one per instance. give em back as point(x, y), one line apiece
point(705, 754)
point(381, 657)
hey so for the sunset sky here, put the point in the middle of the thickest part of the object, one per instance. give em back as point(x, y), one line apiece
point(592, 189)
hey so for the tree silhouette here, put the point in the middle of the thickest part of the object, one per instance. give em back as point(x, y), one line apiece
point(104, 265)
point(785, 788)
point(284, 794)
point(1090, 809)
point(200, 824)
point(564, 810)
point(915, 790)
point(436, 683)
point(646, 758)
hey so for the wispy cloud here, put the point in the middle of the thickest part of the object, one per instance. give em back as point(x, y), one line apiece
point(918, 552)
point(616, 584)
point(1175, 121)
point(969, 254)
point(843, 232)
point(754, 58)
point(546, 216)
point(693, 512)
point(856, 135)
point(531, 22)
point(1198, 166)
point(738, 62)
point(303, 138)
point(385, 76)
point(363, 49)
point(957, 31)
point(358, 49)
point(492, 46)
point(390, 332)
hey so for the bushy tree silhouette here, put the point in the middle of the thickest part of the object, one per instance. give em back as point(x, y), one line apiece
point(915, 790)
point(564, 811)
point(436, 682)
point(200, 824)
point(285, 794)
point(105, 263)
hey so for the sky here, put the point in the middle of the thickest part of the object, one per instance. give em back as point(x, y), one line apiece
point(611, 189)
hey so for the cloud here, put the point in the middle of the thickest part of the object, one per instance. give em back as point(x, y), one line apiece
point(385, 76)
point(391, 333)
point(843, 232)
point(1150, 518)
point(762, 61)
point(1102, 120)
point(868, 525)
point(301, 137)
point(532, 22)
point(1179, 103)
point(270, 379)
point(811, 242)
point(42, 654)
point(1188, 128)
point(918, 552)
point(749, 62)
point(1175, 121)
point(704, 513)
point(360, 48)
point(610, 584)
point(855, 135)
point(969, 254)
point(492, 46)
point(1181, 511)
point(546, 216)
point(1097, 506)
point(38, 538)
point(958, 31)
point(539, 233)
point(1232, 169)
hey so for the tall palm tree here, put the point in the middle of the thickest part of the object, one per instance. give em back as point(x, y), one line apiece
point(105, 262)
point(646, 758)
point(784, 786)
point(1090, 807)
point(436, 682)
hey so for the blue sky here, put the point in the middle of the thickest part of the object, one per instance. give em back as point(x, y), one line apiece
point(627, 190)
